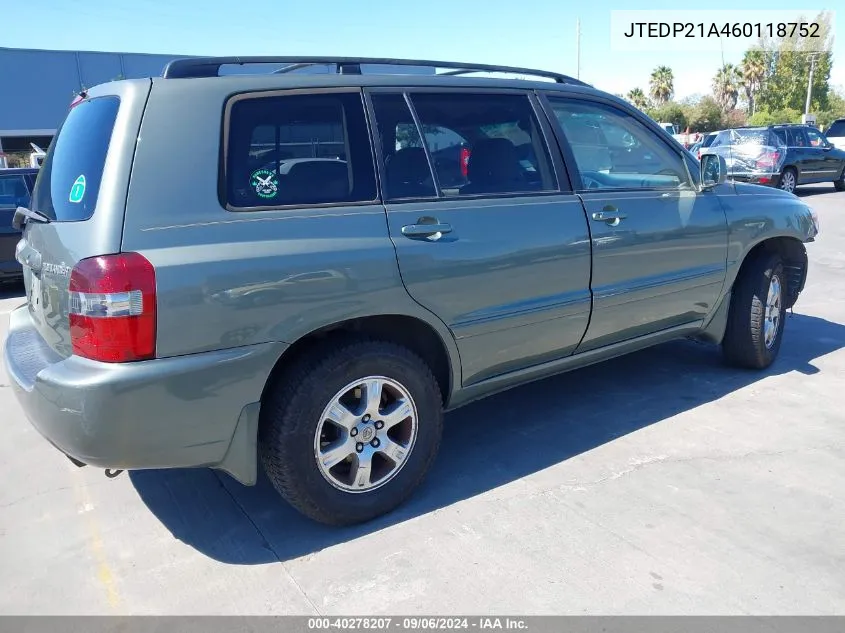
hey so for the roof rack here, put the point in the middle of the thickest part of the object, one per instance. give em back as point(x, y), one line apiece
point(210, 66)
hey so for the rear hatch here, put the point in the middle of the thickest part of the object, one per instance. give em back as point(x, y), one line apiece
point(78, 202)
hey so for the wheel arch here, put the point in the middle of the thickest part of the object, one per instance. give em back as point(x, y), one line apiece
point(434, 345)
point(795, 262)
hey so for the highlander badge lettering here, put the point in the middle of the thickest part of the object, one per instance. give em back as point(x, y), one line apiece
point(59, 270)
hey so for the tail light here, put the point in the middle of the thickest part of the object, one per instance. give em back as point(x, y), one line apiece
point(768, 160)
point(113, 308)
point(464, 161)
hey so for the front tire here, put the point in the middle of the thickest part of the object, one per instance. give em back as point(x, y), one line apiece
point(757, 316)
point(839, 185)
point(347, 434)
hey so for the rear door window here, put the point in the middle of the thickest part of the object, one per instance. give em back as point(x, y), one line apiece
point(407, 173)
point(484, 144)
point(300, 149)
point(69, 180)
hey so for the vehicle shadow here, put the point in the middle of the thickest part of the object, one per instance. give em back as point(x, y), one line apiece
point(805, 191)
point(485, 445)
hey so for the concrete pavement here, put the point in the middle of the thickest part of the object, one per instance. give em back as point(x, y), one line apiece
point(660, 483)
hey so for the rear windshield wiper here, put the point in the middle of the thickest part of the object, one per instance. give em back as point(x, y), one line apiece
point(22, 214)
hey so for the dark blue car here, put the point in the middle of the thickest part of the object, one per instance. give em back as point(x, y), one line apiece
point(16, 187)
point(783, 156)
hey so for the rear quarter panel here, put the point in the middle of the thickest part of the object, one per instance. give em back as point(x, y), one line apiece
point(228, 279)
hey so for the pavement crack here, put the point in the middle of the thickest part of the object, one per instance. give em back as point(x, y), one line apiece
point(266, 543)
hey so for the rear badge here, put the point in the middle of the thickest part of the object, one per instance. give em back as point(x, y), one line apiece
point(77, 192)
point(265, 182)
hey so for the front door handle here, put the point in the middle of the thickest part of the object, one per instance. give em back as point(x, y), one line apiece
point(610, 216)
point(427, 230)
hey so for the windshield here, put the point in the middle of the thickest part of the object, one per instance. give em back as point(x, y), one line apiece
point(837, 128)
point(69, 180)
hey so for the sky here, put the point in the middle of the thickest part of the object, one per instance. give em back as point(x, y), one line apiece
point(536, 34)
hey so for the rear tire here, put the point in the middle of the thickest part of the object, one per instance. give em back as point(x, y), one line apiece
point(788, 180)
point(298, 440)
point(757, 316)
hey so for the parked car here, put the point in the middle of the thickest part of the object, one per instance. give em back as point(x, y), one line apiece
point(389, 287)
point(15, 191)
point(676, 134)
point(705, 142)
point(783, 156)
point(835, 133)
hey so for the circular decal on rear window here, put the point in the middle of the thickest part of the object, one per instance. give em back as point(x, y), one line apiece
point(265, 182)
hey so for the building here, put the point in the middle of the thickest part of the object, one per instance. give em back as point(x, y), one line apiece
point(37, 86)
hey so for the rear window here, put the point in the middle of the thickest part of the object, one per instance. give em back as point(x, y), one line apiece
point(298, 150)
point(69, 180)
point(837, 128)
point(750, 137)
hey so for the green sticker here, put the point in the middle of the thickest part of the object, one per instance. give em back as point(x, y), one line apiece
point(77, 192)
point(265, 182)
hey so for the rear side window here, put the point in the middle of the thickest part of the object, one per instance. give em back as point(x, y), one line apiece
point(298, 150)
point(484, 144)
point(13, 191)
point(69, 180)
point(407, 173)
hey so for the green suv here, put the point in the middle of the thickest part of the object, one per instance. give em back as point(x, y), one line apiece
point(306, 270)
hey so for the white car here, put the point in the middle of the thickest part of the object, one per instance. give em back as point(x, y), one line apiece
point(670, 127)
point(835, 133)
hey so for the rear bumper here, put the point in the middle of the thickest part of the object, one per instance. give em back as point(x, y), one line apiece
point(756, 178)
point(186, 411)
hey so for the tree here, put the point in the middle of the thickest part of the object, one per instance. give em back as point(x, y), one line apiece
point(638, 98)
point(753, 70)
point(835, 110)
point(662, 84)
point(788, 67)
point(726, 87)
point(764, 117)
point(670, 112)
point(706, 116)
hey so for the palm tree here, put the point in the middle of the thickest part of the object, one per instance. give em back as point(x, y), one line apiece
point(662, 84)
point(753, 71)
point(726, 87)
point(638, 98)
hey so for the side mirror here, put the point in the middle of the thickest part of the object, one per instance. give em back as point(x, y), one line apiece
point(714, 170)
point(828, 147)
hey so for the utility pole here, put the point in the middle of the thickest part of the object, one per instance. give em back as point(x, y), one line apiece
point(813, 58)
point(578, 47)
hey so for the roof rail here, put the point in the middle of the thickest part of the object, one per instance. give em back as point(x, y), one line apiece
point(210, 66)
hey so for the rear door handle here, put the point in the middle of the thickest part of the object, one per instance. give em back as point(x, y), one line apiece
point(434, 230)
